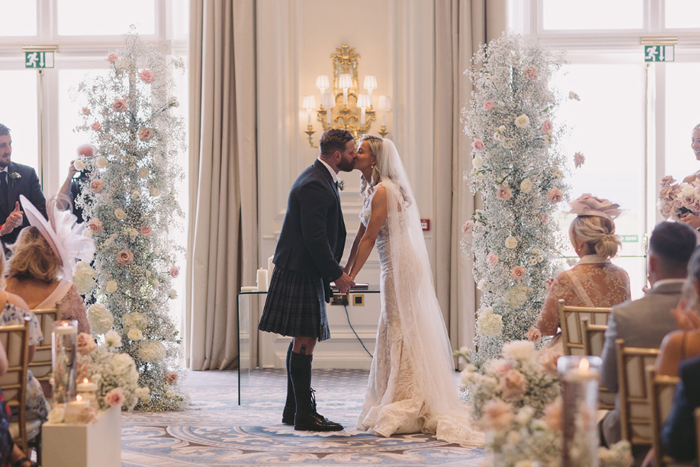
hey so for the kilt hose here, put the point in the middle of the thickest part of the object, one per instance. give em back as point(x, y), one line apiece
point(295, 306)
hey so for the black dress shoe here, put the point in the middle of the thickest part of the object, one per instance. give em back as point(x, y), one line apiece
point(288, 416)
point(315, 422)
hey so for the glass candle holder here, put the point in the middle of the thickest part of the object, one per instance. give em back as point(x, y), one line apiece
point(64, 346)
point(580, 376)
point(88, 392)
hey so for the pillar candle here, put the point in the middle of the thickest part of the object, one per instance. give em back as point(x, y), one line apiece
point(262, 280)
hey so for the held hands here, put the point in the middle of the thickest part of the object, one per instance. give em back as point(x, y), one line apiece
point(688, 320)
point(13, 221)
point(344, 283)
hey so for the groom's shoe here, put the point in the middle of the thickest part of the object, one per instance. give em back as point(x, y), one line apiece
point(315, 422)
point(288, 416)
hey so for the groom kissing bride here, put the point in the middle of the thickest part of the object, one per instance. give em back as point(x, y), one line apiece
point(411, 387)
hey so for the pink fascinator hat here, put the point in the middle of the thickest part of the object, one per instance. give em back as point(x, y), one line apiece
point(62, 234)
point(589, 205)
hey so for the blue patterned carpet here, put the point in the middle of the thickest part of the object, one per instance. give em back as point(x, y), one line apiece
point(215, 431)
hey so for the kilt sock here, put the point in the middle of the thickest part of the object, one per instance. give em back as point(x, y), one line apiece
point(301, 380)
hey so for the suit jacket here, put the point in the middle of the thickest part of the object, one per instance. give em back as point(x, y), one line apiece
point(312, 239)
point(27, 184)
point(641, 323)
point(678, 433)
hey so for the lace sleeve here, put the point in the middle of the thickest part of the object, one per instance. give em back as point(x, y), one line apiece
point(548, 320)
point(73, 307)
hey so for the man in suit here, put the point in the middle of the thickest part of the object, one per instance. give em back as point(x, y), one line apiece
point(678, 433)
point(15, 179)
point(645, 322)
point(306, 259)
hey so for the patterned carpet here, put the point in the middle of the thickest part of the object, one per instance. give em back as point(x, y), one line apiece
point(215, 431)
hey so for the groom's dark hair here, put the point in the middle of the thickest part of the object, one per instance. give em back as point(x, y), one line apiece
point(334, 140)
point(674, 244)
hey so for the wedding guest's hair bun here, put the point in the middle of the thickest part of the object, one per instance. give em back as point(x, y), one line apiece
point(598, 232)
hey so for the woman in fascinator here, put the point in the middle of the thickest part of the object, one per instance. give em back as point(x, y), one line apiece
point(593, 281)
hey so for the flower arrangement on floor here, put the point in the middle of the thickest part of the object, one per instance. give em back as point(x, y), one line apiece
point(676, 199)
point(518, 170)
point(130, 206)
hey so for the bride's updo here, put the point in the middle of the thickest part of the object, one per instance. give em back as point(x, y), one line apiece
point(375, 147)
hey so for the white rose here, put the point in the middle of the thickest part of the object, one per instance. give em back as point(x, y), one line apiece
point(101, 162)
point(483, 285)
point(152, 351)
point(519, 350)
point(172, 294)
point(477, 162)
point(79, 165)
point(113, 339)
point(57, 414)
point(101, 320)
point(135, 334)
point(154, 282)
point(143, 172)
point(526, 185)
point(119, 213)
point(511, 242)
point(111, 286)
point(135, 320)
point(136, 194)
point(522, 121)
point(153, 191)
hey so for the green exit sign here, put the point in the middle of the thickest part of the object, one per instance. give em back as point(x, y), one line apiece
point(630, 238)
point(659, 53)
point(38, 59)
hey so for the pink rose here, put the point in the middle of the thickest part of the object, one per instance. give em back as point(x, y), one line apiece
point(86, 150)
point(547, 127)
point(504, 193)
point(145, 134)
point(530, 72)
point(95, 225)
point(146, 76)
point(488, 105)
point(688, 200)
point(677, 204)
point(502, 367)
point(111, 58)
point(120, 105)
point(86, 344)
point(497, 415)
point(97, 185)
point(579, 159)
point(534, 335)
point(86, 111)
point(115, 397)
point(174, 272)
point(518, 273)
point(667, 180)
point(478, 145)
point(97, 126)
point(555, 195)
point(553, 415)
point(125, 257)
point(492, 259)
point(665, 190)
point(544, 218)
point(146, 231)
point(170, 377)
point(468, 226)
point(512, 385)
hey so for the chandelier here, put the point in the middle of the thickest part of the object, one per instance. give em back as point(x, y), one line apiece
point(345, 107)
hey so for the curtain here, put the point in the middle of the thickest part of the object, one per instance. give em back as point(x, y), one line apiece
point(222, 243)
point(460, 27)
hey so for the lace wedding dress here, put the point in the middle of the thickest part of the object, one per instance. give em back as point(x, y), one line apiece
point(411, 385)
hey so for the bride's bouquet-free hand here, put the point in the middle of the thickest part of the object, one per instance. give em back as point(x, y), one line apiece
point(678, 199)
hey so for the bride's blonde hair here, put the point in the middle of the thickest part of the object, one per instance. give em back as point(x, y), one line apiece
point(598, 232)
point(375, 147)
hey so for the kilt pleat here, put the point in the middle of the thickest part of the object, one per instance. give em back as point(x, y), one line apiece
point(295, 306)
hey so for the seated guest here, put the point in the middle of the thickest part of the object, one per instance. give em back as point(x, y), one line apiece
point(645, 322)
point(42, 262)
point(678, 433)
point(593, 281)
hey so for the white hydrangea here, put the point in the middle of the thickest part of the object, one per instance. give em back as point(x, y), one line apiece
point(152, 351)
point(101, 320)
point(519, 350)
point(135, 320)
point(84, 276)
point(172, 294)
point(490, 324)
point(113, 339)
point(517, 295)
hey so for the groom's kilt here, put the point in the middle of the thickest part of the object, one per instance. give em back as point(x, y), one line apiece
point(295, 306)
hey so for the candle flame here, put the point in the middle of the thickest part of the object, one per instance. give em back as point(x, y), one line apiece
point(79, 398)
point(85, 380)
point(65, 325)
point(584, 365)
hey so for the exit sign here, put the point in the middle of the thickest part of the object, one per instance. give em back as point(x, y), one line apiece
point(38, 59)
point(659, 53)
point(630, 238)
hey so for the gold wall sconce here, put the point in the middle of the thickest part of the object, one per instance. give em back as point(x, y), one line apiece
point(345, 107)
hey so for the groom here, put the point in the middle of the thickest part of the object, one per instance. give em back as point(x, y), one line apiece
point(306, 259)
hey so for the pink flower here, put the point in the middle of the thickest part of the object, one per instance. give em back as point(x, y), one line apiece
point(468, 226)
point(145, 134)
point(688, 200)
point(579, 159)
point(544, 218)
point(170, 377)
point(547, 127)
point(125, 257)
point(95, 225)
point(146, 231)
point(512, 385)
point(115, 397)
point(146, 76)
point(518, 273)
point(86, 111)
point(555, 195)
point(530, 72)
point(502, 367)
point(549, 362)
point(504, 193)
point(667, 180)
point(111, 58)
point(120, 105)
point(86, 150)
point(497, 415)
point(492, 259)
point(534, 335)
point(174, 272)
point(665, 191)
point(97, 126)
point(86, 343)
point(488, 105)
point(97, 185)
point(553, 415)
point(478, 145)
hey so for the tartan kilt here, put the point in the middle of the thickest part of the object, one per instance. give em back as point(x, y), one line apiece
point(295, 306)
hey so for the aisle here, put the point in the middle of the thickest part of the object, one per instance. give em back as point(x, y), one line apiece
point(217, 432)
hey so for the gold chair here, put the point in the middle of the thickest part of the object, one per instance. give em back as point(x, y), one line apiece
point(635, 411)
point(593, 343)
point(570, 319)
point(661, 390)
point(40, 365)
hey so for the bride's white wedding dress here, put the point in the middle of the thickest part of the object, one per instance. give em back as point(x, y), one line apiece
point(411, 385)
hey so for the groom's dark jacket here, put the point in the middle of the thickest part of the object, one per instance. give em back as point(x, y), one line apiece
point(312, 239)
point(22, 180)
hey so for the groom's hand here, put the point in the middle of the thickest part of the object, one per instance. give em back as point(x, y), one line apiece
point(344, 283)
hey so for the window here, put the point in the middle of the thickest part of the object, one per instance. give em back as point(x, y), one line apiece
point(592, 14)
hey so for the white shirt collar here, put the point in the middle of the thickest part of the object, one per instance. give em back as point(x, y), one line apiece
point(330, 169)
point(5, 169)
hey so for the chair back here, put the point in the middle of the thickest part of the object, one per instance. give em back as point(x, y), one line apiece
point(570, 319)
point(635, 410)
point(15, 340)
point(41, 363)
point(593, 343)
point(661, 390)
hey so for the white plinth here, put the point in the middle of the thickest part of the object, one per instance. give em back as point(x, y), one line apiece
point(94, 445)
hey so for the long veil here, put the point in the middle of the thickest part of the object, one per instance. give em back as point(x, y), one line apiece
point(423, 328)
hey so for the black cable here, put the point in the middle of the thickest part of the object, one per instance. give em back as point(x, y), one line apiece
point(353, 330)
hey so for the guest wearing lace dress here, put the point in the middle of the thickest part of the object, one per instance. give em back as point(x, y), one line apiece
point(593, 281)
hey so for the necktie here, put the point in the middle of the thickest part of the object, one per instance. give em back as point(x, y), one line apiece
point(3, 187)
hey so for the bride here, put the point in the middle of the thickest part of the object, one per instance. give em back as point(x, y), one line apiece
point(411, 385)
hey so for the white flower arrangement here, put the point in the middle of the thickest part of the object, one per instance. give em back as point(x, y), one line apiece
point(137, 136)
point(517, 169)
point(84, 277)
point(101, 320)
